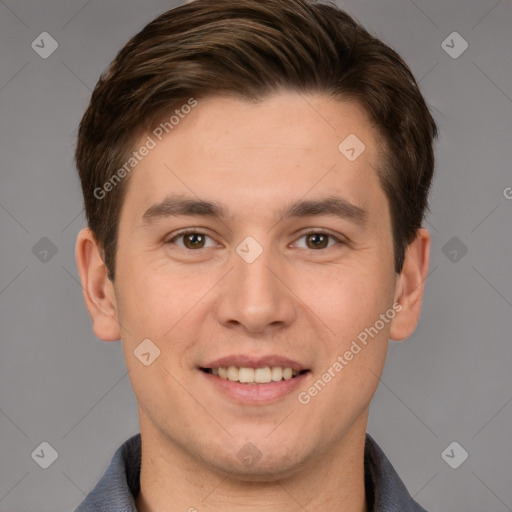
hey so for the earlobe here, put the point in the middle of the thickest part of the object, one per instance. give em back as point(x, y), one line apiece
point(98, 290)
point(410, 286)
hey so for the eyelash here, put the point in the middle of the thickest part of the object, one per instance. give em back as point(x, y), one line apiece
point(310, 232)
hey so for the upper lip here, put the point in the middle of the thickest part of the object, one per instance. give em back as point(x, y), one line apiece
point(247, 361)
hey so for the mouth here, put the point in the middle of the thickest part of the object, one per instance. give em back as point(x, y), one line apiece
point(254, 380)
point(254, 375)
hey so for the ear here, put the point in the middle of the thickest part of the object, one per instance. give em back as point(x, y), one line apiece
point(410, 286)
point(98, 289)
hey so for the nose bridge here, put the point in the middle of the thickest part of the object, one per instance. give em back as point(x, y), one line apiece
point(254, 276)
point(253, 296)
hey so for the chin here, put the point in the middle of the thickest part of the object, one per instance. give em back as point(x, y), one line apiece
point(262, 471)
point(259, 461)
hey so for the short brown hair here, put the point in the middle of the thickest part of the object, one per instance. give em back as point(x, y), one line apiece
point(251, 49)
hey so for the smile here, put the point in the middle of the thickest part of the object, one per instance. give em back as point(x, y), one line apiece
point(247, 375)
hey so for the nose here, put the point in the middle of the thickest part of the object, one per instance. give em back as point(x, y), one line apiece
point(255, 296)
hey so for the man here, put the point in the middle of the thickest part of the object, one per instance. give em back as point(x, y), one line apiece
point(255, 176)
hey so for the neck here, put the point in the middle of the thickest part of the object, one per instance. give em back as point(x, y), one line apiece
point(173, 481)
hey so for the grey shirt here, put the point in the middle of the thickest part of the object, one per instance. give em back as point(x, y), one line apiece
point(119, 486)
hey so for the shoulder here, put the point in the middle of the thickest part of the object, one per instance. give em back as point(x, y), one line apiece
point(384, 489)
point(120, 484)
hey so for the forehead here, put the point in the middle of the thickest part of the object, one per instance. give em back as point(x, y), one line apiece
point(286, 146)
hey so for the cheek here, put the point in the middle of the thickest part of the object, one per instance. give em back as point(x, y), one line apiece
point(354, 356)
point(347, 298)
point(142, 302)
point(160, 303)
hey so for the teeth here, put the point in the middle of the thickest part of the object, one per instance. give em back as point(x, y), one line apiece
point(277, 373)
point(254, 375)
point(287, 373)
point(232, 373)
point(263, 375)
point(246, 375)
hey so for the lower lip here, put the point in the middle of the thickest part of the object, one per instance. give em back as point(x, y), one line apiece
point(255, 394)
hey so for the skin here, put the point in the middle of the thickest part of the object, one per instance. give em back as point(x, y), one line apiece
point(294, 300)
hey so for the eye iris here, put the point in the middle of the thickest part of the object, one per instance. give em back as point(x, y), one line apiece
point(314, 240)
point(194, 240)
point(318, 240)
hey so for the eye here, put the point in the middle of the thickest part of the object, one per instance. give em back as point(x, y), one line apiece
point(191, 240)
point(315, 240)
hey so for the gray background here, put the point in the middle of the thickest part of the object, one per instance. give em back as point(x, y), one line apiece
point(451, 381)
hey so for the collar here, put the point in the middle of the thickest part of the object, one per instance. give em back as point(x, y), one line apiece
point(120, 484)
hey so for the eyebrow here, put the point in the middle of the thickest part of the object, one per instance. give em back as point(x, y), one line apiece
point(174, 206)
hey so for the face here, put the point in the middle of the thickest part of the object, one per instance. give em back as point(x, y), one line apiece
point(287, 263)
